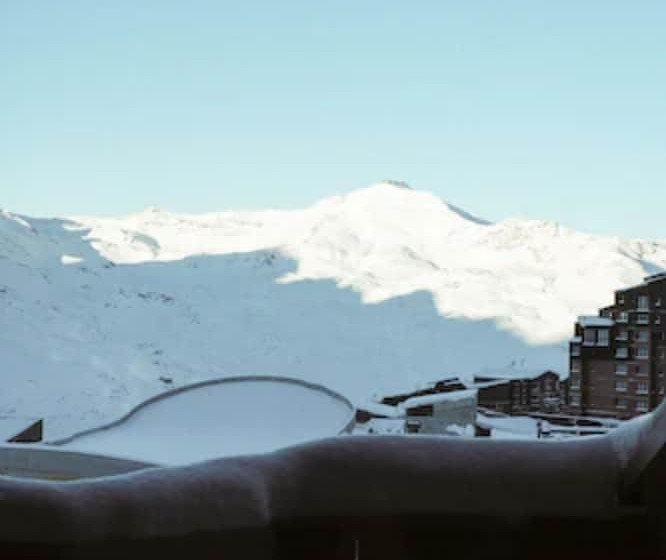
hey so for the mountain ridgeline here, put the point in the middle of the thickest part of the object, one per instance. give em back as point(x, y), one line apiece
point(378, 290)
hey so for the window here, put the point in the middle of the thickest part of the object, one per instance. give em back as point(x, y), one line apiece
point(575, 383)
point(643, 303)
point(642, 336)
point(575, 366)
point(621, 403)
point(575, 400)
point(622, 334)
point(642, 319)
point(642, 388)
point(589, 337)
point(423, 410)
point(620, 385)
point(621, 353)
point(622, 317)
point(641, 405)
point(642, 353)
point(575, 350)
point(642, 369)
point(620, 298)
point(602, 337)
point(657, 320)
point(657, 302)
point(621, 368)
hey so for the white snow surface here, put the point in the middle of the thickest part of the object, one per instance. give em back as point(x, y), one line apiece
point(236, 418)
point(374, 292)
point(452, 396)
point(595, 321)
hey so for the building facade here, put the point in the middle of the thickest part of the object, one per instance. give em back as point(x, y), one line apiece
point(519, 393)
point(617, 360)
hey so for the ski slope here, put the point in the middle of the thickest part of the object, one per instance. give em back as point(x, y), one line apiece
point(376, 291)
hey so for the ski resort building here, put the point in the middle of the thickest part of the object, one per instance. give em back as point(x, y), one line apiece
point(446, 407)
point(518, 391)
point(617, 360)
point(452, 413)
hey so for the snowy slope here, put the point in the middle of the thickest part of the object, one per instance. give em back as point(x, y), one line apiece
point(375, 291)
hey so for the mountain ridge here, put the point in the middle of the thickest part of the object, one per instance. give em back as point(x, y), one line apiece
point(372, 291)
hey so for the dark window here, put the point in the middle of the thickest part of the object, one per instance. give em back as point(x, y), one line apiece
point(425, 410)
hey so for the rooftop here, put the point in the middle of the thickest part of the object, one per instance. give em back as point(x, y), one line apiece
point(511, 372)
point(594, 321)
point(451, 396)
point(655, 277)
point(11, 426)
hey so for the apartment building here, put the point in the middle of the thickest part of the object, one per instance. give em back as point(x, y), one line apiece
point(617, 360)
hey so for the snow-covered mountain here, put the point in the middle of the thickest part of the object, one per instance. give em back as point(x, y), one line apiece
point(378, 290)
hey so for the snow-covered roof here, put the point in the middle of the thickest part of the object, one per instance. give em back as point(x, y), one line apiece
point(380, 409)
point(594, 321)
point(510, 372)
point(655, 277)
point(11, 426)
point(451, 396)
point(495, 383)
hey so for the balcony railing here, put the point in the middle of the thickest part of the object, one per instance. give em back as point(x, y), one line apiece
point(403, 497)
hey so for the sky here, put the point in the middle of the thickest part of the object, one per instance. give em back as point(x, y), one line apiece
point(520, 108)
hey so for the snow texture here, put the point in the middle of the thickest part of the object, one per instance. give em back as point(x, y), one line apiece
point(217, 420)
point(378, 291)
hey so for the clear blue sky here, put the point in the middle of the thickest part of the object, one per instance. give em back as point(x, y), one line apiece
point(537, 108)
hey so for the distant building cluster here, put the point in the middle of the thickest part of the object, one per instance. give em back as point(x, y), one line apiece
point(451, 406)
point(618, 359)
point(617, 370)
point(514, 392)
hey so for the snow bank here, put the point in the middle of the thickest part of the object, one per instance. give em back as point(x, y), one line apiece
point(221, 418)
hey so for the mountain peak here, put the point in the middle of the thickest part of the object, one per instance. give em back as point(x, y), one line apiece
point(396, 183)
point(404, 203)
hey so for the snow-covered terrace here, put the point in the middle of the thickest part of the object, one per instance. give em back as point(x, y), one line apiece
point(219, 418)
